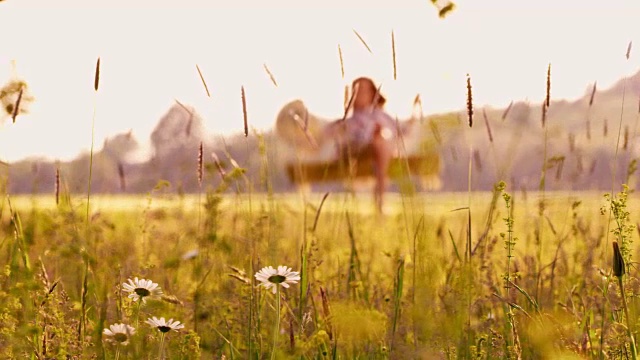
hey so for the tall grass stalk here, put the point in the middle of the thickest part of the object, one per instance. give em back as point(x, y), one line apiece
point(611, 213)
point(619, 271)
point(542, 187)
point(96, 84)
point(276, 329)
point(397, 299)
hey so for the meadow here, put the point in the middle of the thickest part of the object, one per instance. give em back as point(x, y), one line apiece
point(248, 274)
point(440, 276)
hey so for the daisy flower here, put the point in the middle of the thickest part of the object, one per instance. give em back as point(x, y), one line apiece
point(141, 289)
point(270, 278)
point(119, 333)
point(164, 326)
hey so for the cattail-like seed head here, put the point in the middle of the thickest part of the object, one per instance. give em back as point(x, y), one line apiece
point(446, 9)
point(469, 101)
point(629, 50)
point(618, 261)
point(548, 97)
point(200, 164)
point(244, 112)
point(57, 186)
point(588, 129)
point(605, 127)
point(96, 79)
point(544, 114)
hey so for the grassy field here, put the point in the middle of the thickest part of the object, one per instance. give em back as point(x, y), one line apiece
point(429, 280)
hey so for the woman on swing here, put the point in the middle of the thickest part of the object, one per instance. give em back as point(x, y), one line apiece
point(367, 132)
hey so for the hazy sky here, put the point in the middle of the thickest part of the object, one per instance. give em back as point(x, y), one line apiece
point(149, 51)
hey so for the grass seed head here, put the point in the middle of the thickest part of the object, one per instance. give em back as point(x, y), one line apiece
point(469, 101)
point(618, 261)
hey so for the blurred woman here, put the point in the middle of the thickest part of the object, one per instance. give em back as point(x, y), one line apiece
point(367, 132)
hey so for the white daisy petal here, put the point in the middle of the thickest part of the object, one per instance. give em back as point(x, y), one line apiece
point(141, 289)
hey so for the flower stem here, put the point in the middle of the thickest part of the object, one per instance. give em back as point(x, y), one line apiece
point(626, 315)
point(138, 312)
point(117, 352)
point(161, 356)
point(276, 330)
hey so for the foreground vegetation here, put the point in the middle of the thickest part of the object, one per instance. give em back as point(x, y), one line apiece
point(505, 275)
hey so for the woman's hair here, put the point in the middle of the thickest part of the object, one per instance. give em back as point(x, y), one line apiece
point(381, 100)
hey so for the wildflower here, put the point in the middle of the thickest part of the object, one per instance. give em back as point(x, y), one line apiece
point(618, 261)
point(141, 289)
point(270, 278)
point(119, 333)
point(164, 326)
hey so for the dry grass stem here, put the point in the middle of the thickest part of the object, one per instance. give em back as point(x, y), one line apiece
point(486, 121)
point(350, 103)
point(190, 121)
point(346, 96)
point(206, 88)
point(417, 103)
point(216, 161)
point(393, 49)
point(16, 108)
point(506, 111)
point(341, 61)
point(273, 79)
point(362, 41)
point(629, 50)
point(593, 93)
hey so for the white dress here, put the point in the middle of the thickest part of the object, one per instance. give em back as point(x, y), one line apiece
point(361, 125)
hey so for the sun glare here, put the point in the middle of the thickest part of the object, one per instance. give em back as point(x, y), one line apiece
point(149, 56)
